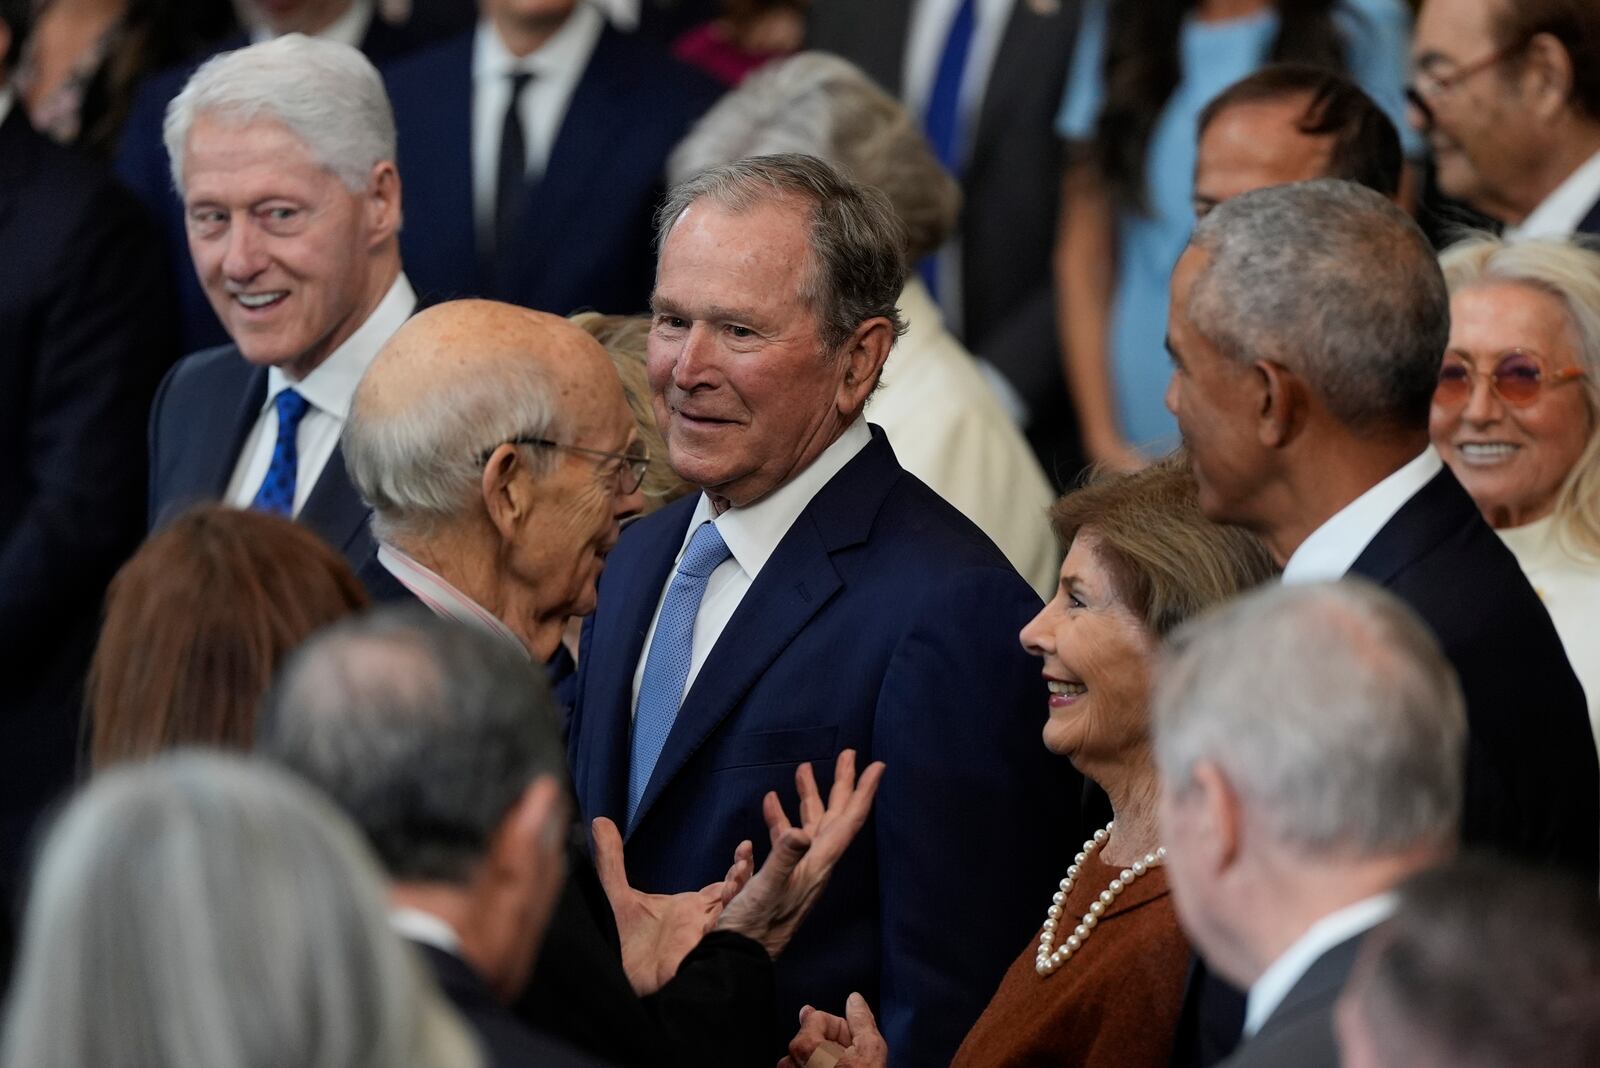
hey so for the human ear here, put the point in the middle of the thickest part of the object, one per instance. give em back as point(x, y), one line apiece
point(505, 496)
point(864, 356)
point(1280, 407)
point(1547, 76)
point(382, 203)
point(1218, 817)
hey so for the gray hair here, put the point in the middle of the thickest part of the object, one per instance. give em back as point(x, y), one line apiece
point(328, 94)
point(425, 731)
point(201, 911)
point(419, 468)
point(1571, 274)
point(1329, 708)
point(858, 244)
point(1337, 284)
point(824, 106)
point(1485, 963)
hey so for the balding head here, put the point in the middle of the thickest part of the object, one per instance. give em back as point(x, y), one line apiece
point(483, 437)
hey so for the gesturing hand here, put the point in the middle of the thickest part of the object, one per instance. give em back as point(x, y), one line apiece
point(659, 930)
point(780, 895)
point(852, 1038)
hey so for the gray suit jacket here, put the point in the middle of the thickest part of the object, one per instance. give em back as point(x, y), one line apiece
point(1299, 1033)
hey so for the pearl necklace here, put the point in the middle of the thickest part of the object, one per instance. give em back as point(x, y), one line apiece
point(1049, 961)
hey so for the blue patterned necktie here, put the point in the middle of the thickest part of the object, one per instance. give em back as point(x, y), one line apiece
point(942, 119)
point(666, 668)
point(276, 494)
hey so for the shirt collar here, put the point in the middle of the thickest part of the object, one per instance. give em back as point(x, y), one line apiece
point(443, 599)
point(425, 928)
point(6, 96)
point(1268, 992)
point(331, 385)
point(349, 28)
point(752, 533)
point(1560, 213)
point(566, 52)
point(1333, 547)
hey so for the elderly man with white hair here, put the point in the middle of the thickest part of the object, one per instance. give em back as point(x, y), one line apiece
point(1310, 741)
point(284, 155)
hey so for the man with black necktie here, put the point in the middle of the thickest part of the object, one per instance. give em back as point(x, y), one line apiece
point(292, 213)
point(534, 148)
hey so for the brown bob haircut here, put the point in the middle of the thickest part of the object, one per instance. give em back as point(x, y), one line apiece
point(1166, 560)
point(196, 624)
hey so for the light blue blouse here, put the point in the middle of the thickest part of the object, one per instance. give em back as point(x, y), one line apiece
point(1214, 55)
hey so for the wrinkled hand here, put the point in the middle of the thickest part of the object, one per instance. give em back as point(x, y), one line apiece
point(659, 930)
point(855, 1037)
point(780, 895)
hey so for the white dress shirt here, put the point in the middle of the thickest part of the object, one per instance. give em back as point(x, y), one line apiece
point(425, 929)
point(752, 535)
point(1559, 214)
point(556, 67)
point(443, 599)
point(1334, 546)
point(1268, 992)
point(349, 28)
point(329, 389)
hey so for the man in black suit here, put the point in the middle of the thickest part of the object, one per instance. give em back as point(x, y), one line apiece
point(1508, 94)
point(292, 217)
point(440, 740)
point(84, 333)
point(1309, 740)
point(1308, 323)
point(995, 277)
point(534, 149)
point(141, 160)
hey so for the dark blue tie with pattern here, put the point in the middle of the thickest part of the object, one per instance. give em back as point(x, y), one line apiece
point(276, 494)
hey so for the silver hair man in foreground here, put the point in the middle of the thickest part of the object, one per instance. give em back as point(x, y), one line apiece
point(201, 910)
point(1310, 741)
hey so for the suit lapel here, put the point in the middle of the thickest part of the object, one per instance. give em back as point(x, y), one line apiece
point(1317, 988)
point(227, 429)
point(1434, 513)
point(334, 509)
point(1591, 222)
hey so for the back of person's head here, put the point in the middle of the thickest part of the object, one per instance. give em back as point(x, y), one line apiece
point(821, 105)
point(201, 911)
point(328, 94)
point(1330, 710)
point(1363, 144)
point(1485, 963)
point(424, 731)
point(197, 622)
point(1575, 25)
point(1335, 283)
point(857, 241)
point(1167, 560)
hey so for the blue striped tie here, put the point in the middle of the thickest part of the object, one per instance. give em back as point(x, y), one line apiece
point(942, 120)
point(666, 668)
point(276, 494)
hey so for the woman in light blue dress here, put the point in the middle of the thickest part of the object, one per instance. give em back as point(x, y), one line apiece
point(1142, 72)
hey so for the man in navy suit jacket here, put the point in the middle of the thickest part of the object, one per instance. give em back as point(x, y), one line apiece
point(854, 608)
point(292, 219)
point(572, 227)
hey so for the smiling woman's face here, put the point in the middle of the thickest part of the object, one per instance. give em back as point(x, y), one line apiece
point(1512, 460)
point(1097, 655)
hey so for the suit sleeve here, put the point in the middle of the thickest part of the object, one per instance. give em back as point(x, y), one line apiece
point(975, 819)
point(105, 337)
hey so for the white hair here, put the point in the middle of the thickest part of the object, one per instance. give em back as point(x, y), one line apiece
point(1329, 708)
point(419, 467)
point(328, 94)
point(202, 911)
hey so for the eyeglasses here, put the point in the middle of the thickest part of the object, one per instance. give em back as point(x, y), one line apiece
point(630, 470)
point(1426, 85)
point(1517, 379)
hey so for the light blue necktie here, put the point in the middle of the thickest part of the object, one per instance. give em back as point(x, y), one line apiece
point(942, 119)
point(276, 494)
point(666, 669)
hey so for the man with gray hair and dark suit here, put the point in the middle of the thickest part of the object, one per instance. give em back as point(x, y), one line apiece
point(1310, 741)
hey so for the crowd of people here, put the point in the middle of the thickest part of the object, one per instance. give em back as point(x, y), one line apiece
point(842, 534)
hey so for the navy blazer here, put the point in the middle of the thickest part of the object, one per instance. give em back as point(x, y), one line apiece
point(203, 413)
point(884, 622)
point(1300, 1029)
point(587, 227)
point(1591, 222)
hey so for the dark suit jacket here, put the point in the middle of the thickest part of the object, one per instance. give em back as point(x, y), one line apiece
point(203, 412)
point(85, 334)
point(1591, 222)
point(587, 232)
point(142, 165)
point(506, 1041)
point(1012, 194)
point(1300, 1031)
point(884, 622)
